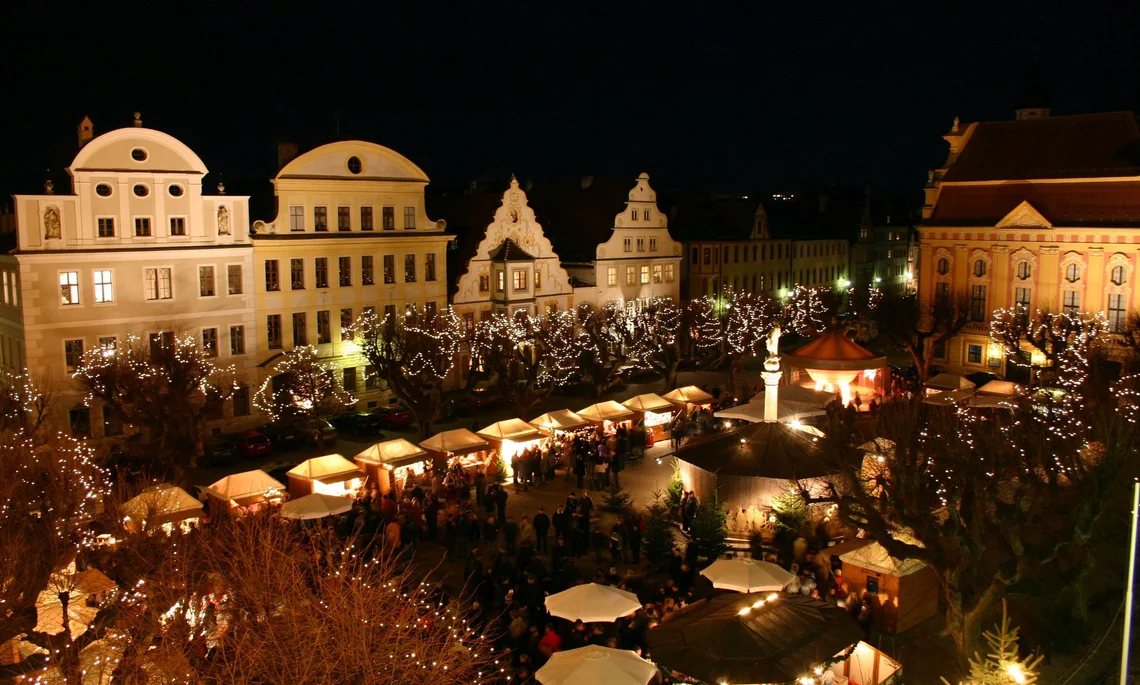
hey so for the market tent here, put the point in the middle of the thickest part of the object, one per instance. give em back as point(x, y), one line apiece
point(244, 489)
point(753, 411)
point(391, 454)
point(457, 441)
point(560, 420)
point(874, 557)
point(162, 504)
point(649, 402)
point(315, 506)
point(690, 394)
point(330, 474)
point(878, 446)
point(514, 430)
point(605, 411)
point(798, 394)
point(992, 401)
point(949, 381)
point(747, 575)
point(592, 603)
point(78, 587)
point(596, 665)
point(739, 639)
point(947, 398)
point(1003, 388)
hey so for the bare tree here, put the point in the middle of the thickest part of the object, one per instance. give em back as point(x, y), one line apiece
point(25, 403)
point(603, 343)
point(911, 328)
point(300, 384)
point(526, 356)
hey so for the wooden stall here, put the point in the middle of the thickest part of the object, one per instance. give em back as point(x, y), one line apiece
point(391, 462)
point(608, 414)
point(331, 474)
point(654, 412)
point(247, 491)
point(689, 396)
point(904, 592)
point(458, 446)
point(161, 506)
point(511, 437)
point(561, 420)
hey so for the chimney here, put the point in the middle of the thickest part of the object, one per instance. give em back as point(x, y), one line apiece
point(86, 131)
point(285, 153)
point(138, 120)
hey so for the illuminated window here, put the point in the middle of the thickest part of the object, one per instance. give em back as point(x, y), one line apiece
point(668, 273)
point(1072, 302)
point(324, 327)
point(157, 284)
point(630, 275)
point(519, 278)
point(645, 274)
point(501, 285)
point(69, 287)
point(611, 275)
point(974, 354)
point(537, 279)
point(658, 273)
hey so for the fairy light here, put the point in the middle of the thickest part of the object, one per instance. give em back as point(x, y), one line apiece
point(309, 385)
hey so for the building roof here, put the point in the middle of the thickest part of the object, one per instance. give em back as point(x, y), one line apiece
point(834, 350)
point(1062, 204)
point(1078, 146)
point(330, 468)
point(515, 430)
point(394, 453)
point(768, 449)
point(456, 441)
point(608, 410)
point(509, 251)
point(874, 557)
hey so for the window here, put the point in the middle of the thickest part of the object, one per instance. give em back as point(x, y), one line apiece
point(484, 283)
point(502, 280)
point(978, 303)
point(725, 258)
point(177, 225)
point(367, 272)
point(371, 380)
point(389, 269)
point(942, 294)
point(708, 256)
point(537, 279)
point(658, 273)
point(354, 165)
point(80, 419)
point(237, 340)
point(210, 342)
point(106, 227)
point(410, 268)
point(103, 190)
point(645, 274)
point(389, 217)
point(72, 354)
point(429, 268)
point(653, 244)
point(980, 268)
point(409, 218)
point(1072, 303)
point(1118, 275)
point(519, 278)
point(754, 253)
point(69, 287)
point(645, 215)
point(943, 266)
point(390, 314)
point(366, 218)
point(468, 322)
point(633, 214)
point(429, 309)
point(233, 279)
point(1073, 273)
point(735, 254)
point(108, 343)
point(273, 283)
point(1117, 318)
point(974, 354)
point(695, 256)
point(343, 219)
point(669, 273)
point(321, 218)
point(346, 324)
point(641, 244)
point(324, 327)
point(140, 190)
point(138, 154)
point(296, 218)
point(627, 244)
point(349, 379)
point(142, 227)
point(206, 285)
point(1023, 270)
point(300, 335)
point(273, 331)
point(344, 269)
point(611, 275)
point(321, 267)
point(241, 401)
point(630, 275)
point(112, 424)
point(157, 284)
point(1021, 298)
point(175, 190)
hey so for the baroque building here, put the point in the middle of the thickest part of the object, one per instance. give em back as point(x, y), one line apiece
point(351, 234)
point(137, 250)
point(1040, 212)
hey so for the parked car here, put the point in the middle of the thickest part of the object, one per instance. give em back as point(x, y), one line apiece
point(394, 416)
point(354, 423)
point(482, 397)
point(251, 444)
point(286, 434)
point(219, 452)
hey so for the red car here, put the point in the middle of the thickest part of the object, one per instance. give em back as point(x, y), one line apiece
point(251, 444)
point(394, 416)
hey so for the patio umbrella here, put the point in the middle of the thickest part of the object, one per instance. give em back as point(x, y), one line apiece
point(315, 506)
point(747, 575)
point(594, 665)
point(592, 603)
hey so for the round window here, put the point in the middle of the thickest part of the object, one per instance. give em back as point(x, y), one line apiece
point(354, 165)
point(103, 190)
point(138, 154)
point(141, 190)
point(175, 191)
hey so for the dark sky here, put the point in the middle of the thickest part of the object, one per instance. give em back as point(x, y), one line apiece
point(759, 94)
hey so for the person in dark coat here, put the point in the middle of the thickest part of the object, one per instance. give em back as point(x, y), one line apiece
point(501, 503)
point(561, 522)
point(586, 504)
point(541, 525)
point(431, 514)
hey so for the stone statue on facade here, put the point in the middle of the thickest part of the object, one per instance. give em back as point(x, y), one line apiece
point(223, 221)
point(51, 222)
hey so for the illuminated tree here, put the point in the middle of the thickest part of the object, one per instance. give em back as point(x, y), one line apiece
point(300, 384)
point(162, 387)
point(908, 326)
point(414, 353)
point(24, 403)
point(1065, 341)
point(604, 343)
point(1003, 664)
point(656, 337)
point(527, 357)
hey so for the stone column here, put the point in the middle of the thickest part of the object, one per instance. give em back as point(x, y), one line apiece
point(771, 375)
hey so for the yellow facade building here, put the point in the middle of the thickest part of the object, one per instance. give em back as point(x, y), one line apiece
point(351, 233)
point(1037, 213)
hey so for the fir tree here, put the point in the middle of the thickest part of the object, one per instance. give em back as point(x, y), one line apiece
point(1003, 665)
point(658, 530)
point(675, 491)
point(710, 528)
point(617, 500)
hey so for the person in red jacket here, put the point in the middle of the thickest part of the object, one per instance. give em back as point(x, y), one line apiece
point(551, 642)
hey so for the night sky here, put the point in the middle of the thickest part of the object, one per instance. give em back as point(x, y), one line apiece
point(755, 95)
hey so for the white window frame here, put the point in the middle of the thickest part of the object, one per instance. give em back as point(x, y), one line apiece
point(645, 274)
point(413, 214)
point(292, 216)
point(170, 229)
point(96, 286)
point(241, 268)
point(63, 346)
point(641, 244)
point(653, 246)
point(630, 275)
point(645, 215)
point(114, 225)
point(78, 302)
point(217, 341)
point(198, 271)
point(230, 339)
point(157, 285)
point(134, 227)
point(611, 276)
point(627, 244)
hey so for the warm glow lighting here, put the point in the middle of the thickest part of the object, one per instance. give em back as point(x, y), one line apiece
point(744, 612)
point(1015, 672)
point(796, 423)
point(909, 276)
point(870, 374)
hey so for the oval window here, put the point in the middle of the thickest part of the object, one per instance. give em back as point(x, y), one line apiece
point(138, 154)
point(141, 190)
point(175, 191)
point(103, 190)
point(354, 165)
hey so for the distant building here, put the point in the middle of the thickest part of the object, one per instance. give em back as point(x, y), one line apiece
point(351, 234)
point(1037, 213)
point(136, 248)
point(885, 254)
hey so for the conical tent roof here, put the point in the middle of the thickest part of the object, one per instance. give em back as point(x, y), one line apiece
point(515, 430)
point(605, 411)
point(651, 402)
point(331, 468)
point(835, 351)
point(592, 603)
point(458, 441)
point(398, 452)
point(560, 420)
point(690, 394)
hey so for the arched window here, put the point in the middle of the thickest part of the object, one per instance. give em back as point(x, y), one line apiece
point(980, 268)
point(1119, 277)
point(943, 266)
point(1024, 271)
point(1073, 273)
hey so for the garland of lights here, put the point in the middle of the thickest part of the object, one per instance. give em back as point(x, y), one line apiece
point(310, 384)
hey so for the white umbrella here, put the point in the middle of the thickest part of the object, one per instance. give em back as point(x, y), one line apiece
point(747, 575)
point(315, 506)
point(594, 665)
point(592, 603)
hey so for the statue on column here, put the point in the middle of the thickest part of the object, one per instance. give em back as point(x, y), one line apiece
point(773, 344)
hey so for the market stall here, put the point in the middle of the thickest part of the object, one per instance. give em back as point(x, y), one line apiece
point(331, 474)
point(315, 506)
point(247, 491)
point(689, 396)
point(609, 415)
point(947, 382)
point(511, 437)
point(835, 363)
point(904, 592)
point(161, 506)
point(390, 463)
point(559, 421)
point(459, 446)
point(654, 412)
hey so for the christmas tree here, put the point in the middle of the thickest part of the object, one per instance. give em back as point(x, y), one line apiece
point(1003, 665)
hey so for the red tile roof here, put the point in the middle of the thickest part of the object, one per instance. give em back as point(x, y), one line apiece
point(1063, 204)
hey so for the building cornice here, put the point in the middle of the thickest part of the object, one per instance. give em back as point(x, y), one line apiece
point(350, 235)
